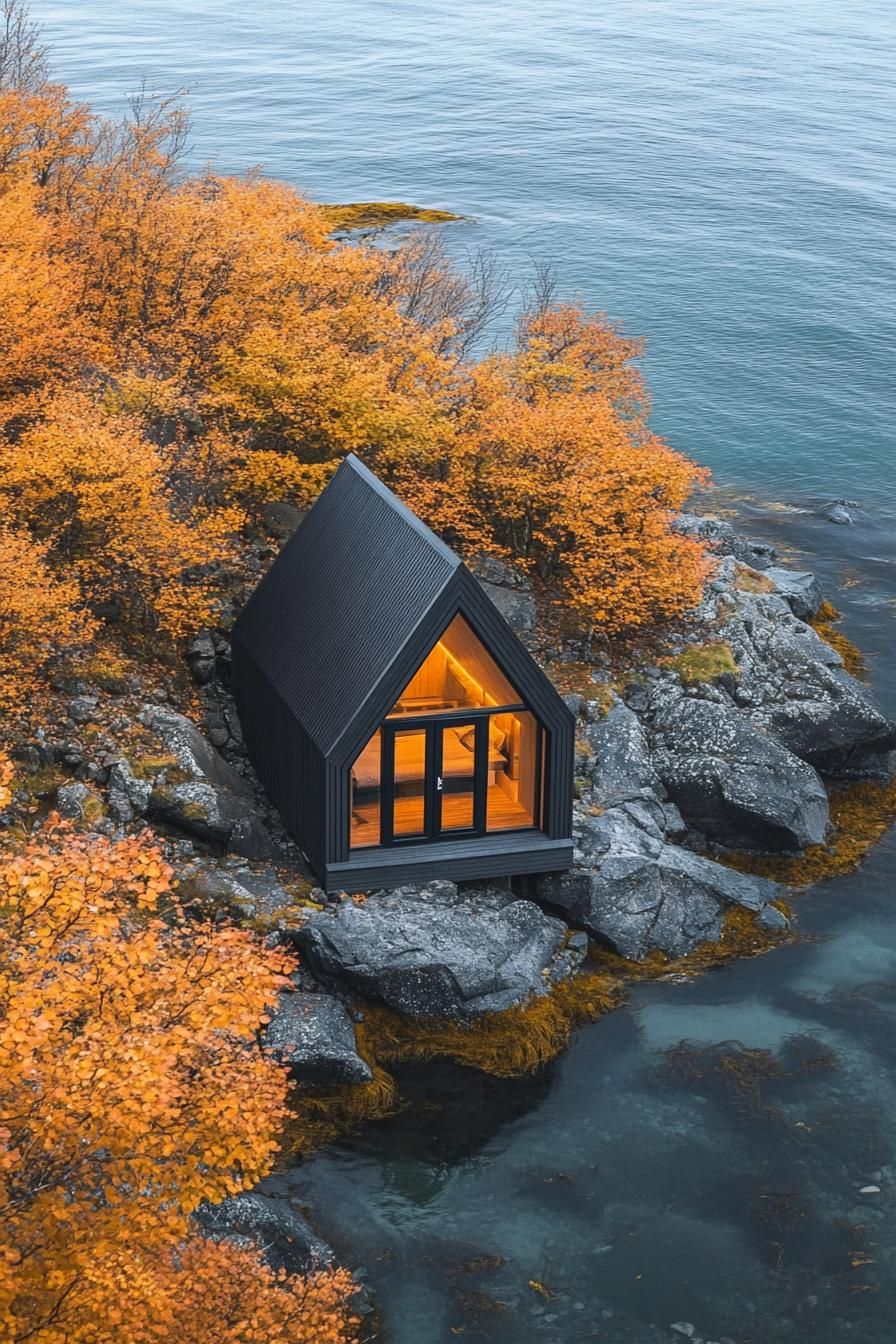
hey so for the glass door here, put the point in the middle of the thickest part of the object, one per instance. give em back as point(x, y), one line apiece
point(459, 788)
point(407, 767)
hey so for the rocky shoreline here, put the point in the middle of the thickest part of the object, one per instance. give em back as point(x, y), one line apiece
point(730, 743)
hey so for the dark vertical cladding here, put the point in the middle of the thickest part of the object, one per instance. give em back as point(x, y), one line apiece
point(287, 762)
point(333, 633)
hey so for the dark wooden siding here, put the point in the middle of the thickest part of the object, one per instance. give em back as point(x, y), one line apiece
point(505, 855)
point(287, 762)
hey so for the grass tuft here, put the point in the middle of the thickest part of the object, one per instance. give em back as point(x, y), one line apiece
point(704, 663)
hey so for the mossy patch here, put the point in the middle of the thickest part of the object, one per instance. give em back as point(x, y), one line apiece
point(506, 1045)
point(380, 214)
point(704, 663)
point(749, 580)
point(860, 815)
point(824, 625)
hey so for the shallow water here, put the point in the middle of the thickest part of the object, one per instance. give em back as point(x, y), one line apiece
point(721, 177)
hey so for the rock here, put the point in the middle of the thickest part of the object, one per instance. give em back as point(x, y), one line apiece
point(725, 539)
point(214, 815)
point(622, 767)
point(193, 754)
point(314, 1035)
point(215, 804)
point(281, 519)
point(517, 608)
point(795, 690)
point(503, 574)
point(837, 512)
point(286, 1240)
point(246, 893)
point(800, 590)
point(435, 952)
point(82, 709)
point(638, 899)
point(734, 783)
point(200, 656)
point(71, 800)
point(128, 796)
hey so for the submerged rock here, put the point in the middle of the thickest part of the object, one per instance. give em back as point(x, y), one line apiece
point(314, 1035)
point(286, 1240)
point(436, 952)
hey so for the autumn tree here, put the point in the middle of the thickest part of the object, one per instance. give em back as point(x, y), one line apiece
point(90, 487)
point(41, 615)
point(132, 1088)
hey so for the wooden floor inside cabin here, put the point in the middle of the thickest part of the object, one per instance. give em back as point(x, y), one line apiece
point(504, 814)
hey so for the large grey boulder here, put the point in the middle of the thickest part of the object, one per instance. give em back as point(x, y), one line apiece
point(733, 782)
point(620, 767)
point(794, 687)
point(285, 1239)
point(436, 952)
point(314, 1035)
point(215, 803)
point(800, 590)
point(637, 895)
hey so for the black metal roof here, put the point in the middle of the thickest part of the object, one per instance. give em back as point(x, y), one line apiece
point(346, 593)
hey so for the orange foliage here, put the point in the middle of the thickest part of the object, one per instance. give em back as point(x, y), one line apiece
point(97, 495)
point(40, 615)
point(130, 1090)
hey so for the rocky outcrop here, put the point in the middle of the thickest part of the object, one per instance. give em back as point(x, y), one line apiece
point(286, 1240)
point(509, 589)
point(435, 951)
point(215, 804)
point(731, 781)
point(314, 1035)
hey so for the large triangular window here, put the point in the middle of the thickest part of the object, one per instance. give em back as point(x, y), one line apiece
point(458, 673)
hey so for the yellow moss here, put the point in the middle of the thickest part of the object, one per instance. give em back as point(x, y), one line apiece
point(379, 214)
point(507, 1044)
point(147, 766)
point(823, 625)
point(741, 937)
point(749, 580)
point(317, 1116)
point(860, 815)
point(703, 662)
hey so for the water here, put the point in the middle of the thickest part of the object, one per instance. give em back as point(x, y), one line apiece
point(720, 177)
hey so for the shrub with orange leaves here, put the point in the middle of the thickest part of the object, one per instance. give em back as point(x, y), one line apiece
point(41, 615)
point(98, 496)
point(132, 1088)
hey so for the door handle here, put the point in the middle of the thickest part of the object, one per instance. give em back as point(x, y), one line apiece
point(438, 783)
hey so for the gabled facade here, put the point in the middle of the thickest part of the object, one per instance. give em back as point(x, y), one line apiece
point(394, 718)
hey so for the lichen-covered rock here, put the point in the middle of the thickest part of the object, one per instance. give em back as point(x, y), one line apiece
point(639, 897)
point(314, 1035)
point(734, 783)
point(128, 796)
point(436, 952)
point(800, 590)
point(795, 689)
point(725, 540)
point(621, 767)
point(285, 1239)
point(200, 657)
point(509, 589)
point(72, 801)
point(215, 803)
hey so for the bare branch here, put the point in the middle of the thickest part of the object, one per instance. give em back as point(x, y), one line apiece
point(23, 56)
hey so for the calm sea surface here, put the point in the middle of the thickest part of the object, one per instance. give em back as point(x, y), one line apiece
point(719, 175)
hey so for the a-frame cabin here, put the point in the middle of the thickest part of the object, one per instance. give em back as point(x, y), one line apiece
point(394, 718)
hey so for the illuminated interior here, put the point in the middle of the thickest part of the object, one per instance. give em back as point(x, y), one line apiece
point(459, 673)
